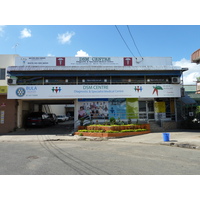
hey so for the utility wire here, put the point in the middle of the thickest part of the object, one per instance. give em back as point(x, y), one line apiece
point(134, 41)
point(124, 41)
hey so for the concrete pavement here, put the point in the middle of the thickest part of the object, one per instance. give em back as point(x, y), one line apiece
point(180, 138)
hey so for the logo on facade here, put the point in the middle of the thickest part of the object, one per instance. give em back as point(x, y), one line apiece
point(156, 88)
point(138, 88)
point(56, 89)
point(128, 61)
point(20, 92)
point(60, 61)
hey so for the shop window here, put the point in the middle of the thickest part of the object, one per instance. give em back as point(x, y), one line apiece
point(94, 80)
point(59, 81)
point(146, 110)
point(30, 80)
point(158, 79)
point(128, 80)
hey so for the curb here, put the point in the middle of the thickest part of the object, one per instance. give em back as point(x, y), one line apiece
point(181, 145)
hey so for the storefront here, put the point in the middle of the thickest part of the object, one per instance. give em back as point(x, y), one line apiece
point(101, 87)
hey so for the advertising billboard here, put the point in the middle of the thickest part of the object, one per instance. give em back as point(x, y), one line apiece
point(93, 91)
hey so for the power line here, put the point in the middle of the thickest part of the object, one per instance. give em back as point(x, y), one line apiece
point(124, 41)
point(133, 40)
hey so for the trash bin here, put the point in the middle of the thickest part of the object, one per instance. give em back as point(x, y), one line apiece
point(166, 137)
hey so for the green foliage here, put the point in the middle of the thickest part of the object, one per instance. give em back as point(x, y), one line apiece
point(112, 131)
point(128, 130)
point(112, 120)
point(84, 130)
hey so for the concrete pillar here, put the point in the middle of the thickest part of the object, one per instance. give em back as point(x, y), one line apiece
point(76, 113)
point(19, 114)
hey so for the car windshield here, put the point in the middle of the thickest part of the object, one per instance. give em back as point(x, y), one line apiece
point(36, 114)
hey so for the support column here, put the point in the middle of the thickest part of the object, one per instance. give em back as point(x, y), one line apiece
point(19, 114)
point(76, 113)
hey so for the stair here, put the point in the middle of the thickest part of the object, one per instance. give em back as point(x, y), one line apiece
point(155, 127)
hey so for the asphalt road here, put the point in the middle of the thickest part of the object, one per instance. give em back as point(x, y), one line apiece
point(95, 158)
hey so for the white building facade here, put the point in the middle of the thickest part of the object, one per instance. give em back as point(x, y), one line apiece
point(126, 88)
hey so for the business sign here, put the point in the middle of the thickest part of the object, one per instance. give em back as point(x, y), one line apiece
point(94, 61)
point(106, 108)
point(92, 91)
point(3, 89)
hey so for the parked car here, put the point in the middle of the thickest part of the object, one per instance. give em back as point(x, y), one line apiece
point(38, 119)
point(62, 118)
point(53, 118)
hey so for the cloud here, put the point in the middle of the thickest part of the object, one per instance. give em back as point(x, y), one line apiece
point(189, 76)
point(65, 38)
point(25, 33)
point(50, 55)
point(81, 53)
point(1, 30)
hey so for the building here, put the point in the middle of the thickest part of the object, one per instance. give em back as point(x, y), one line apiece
point(195, 57)
point(8, 120)
point(126, 88)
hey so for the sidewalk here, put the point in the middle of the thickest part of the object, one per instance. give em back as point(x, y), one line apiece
point(184, 138)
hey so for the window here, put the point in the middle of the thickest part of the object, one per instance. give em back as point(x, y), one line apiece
point(128, 80)
point(2, 74)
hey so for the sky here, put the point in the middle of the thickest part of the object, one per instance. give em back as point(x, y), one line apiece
point(176, 41)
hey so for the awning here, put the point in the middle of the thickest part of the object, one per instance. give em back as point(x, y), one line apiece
point(188, 100)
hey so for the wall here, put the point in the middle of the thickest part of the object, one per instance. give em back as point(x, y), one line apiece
point(8, 114)
point(58, 109)
point(5, 61)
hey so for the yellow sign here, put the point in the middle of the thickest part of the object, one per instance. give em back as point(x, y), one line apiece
point(160, 107)
point(3, 89)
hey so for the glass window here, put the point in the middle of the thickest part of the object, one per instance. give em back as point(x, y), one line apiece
point(150, 106)
point(142, 106)
point(2, 74)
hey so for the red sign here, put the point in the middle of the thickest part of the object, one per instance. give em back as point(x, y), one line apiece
point(60, 61)
point(128, 61)
point(3, 105)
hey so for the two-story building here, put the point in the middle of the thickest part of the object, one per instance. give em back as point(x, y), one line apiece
point(126, 88)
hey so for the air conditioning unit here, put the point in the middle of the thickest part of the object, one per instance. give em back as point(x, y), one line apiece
point(11, 81)
point(175, 80)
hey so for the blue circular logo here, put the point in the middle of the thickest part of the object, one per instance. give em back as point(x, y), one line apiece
point(20, 92)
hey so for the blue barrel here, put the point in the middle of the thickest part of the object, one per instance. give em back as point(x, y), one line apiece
point(166, 137)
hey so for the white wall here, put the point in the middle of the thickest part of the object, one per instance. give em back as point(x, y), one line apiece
point(58, 109)
point(5, 61)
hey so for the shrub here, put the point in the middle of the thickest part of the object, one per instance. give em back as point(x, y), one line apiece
point(112, 131)
point(84, 130)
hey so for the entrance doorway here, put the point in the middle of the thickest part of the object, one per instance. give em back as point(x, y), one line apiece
point(64, 108)
point(146, 110)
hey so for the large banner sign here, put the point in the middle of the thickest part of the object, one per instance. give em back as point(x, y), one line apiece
point(93, 61)
point(72, 61)
point(93, 91)
point(107, 108)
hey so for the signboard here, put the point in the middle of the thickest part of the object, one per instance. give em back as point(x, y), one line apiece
point(3, 89)
point(106, 108)
point(35, 61)
point(198, 88)
point(2, 116)
point(93, 91)
point(69, 61)
point(164, 62)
